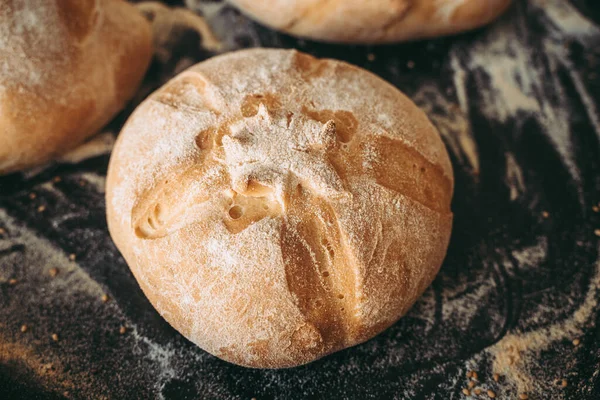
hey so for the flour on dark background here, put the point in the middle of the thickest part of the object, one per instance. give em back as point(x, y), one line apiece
point(518, 106)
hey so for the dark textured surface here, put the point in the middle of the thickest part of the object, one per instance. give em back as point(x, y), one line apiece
point(517, 104)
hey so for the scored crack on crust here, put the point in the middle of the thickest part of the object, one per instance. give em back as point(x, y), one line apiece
point(373, 21)
point(276, 208)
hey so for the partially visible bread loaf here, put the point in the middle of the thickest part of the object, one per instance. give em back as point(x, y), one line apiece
point(372, 21)
point(276, 208)
point(66, 68)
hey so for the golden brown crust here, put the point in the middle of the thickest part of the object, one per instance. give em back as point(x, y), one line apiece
point(67, 68)
point(276, 208)
point(373, 21)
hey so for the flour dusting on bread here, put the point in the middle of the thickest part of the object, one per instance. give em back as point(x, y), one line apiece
point(66, 69)
point(267, 213)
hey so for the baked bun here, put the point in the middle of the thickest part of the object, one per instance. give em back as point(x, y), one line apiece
point(372, 21)
point(66, 68)
point(276, 208)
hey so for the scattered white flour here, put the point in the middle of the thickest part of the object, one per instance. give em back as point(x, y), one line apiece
point(96, 146)
point(503, 62)
point(512, 86)
point(514, 177)
point(590, 105)
point(566, 18)
point(98, 182)
point(532, 256)
point(453, 124)
point(515, 352)
point(460, 304)
point(162, 356)
point(459, 78)
point(72, 283)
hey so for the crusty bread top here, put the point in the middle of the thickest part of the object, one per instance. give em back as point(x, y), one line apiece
point(32, 36)
point(66, 68)
point(373, 21)
point(275, 207)
point(200, 97)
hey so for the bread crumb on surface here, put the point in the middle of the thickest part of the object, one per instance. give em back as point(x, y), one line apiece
point(56, 179)
point(576, 342)
point(491, 394)
point(496, 377)
point(41, 208)
point(563, 383)
point(72, 257)
point(122, 330)
point(523, 396)
point(12, 282)
point(53, 272)
point(597, 232)
point(477, 391)
point(545, 214)
point(2, 231)
point(32, 196)
point(466, 392)
point(595, 209)
point(104, 298)
point(24, 328)
point(55, 337)
point(471, 385)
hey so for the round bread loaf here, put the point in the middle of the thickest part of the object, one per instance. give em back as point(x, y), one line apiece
point(372, 21)
point(275, 207)
point(66, 68)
